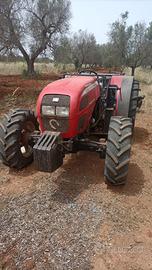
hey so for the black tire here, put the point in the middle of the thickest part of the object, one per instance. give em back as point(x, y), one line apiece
point(15, 129)
point(3, 124)
point(128, 100)
point(118, 150)
point(134, 101)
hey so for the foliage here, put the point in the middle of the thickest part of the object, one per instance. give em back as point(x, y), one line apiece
point(83, 48)
point(129, 43)
point(129, 46)
point(148, 60)
point(63, 52)
point(80, 49)
point(36, 30)
point(32, 26)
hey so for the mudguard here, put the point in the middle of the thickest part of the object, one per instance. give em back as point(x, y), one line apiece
point(124, 96)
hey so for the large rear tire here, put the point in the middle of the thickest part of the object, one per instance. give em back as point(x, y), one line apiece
point(134, 101)
point(16, 145)
point(118, 150)
point(128, 100)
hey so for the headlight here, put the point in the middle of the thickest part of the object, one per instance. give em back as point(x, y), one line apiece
point(62, 111)
point(48, 110)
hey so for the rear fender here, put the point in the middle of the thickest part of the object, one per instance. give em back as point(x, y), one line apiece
point(123, 94)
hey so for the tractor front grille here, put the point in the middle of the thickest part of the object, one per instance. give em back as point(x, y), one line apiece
point(56, 123)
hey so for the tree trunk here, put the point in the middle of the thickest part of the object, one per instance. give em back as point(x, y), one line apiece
point(133, 71)
point(30, 67)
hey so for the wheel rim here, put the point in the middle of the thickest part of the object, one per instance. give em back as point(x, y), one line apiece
point(26, 146)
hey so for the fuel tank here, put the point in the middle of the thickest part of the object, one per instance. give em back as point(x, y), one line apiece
point(79, 94)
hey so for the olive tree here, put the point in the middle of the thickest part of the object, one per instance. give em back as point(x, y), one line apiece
point(83, 48)
point(80, 49)
point(148, 60)
point(32, 26)
point(129, 46)
point(118, 38)
point(136, 47)
point(62, 52)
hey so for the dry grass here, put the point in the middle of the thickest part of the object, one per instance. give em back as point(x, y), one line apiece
point(147, 103)
point(11, 68)
point(14, 68)
point(143, 75)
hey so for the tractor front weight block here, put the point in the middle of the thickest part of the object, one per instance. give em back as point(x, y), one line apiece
point(48, 155)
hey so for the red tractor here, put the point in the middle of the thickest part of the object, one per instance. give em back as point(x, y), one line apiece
point(87, 111)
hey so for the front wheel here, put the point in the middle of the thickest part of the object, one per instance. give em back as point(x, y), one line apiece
point(118, 150)
point(16, 149)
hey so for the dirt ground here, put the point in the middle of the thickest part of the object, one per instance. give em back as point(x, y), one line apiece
point(16, 91)
point(70, 219)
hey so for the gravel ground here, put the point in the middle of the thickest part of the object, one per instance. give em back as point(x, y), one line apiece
point(50, 229)
point(71, 220)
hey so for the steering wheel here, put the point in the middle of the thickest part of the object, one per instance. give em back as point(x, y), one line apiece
point(88, 71)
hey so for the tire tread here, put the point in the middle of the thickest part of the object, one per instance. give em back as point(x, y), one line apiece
point(118, 150)
point(10, 130)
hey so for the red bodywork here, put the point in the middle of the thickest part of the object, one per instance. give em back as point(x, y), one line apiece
point(76, 87)
point(117, 80)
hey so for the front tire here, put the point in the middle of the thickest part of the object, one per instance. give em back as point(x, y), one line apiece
point(118, 150)
point(16, 145)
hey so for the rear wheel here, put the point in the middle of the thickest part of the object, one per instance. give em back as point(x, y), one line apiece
point(16, 145)
point(128, 100)
point(134, 101)
point(118, 150)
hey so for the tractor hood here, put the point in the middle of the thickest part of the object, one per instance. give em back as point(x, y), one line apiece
point(72, 87)
point(68, 92)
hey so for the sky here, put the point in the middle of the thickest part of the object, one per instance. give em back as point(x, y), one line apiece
point(95, 16)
